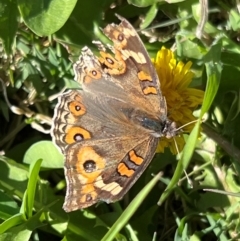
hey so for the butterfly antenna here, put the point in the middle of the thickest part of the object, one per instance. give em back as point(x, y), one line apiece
point(189, 181)
point(175, 142)
point(189, 123)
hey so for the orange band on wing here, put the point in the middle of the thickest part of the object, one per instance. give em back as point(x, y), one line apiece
point(143, 76)
point(150, 90)
point(124, 170)
point(134, 158)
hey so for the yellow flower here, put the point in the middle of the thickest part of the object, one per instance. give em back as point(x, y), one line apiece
point(175, 78)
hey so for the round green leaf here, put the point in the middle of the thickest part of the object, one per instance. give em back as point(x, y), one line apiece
point(46, 151)
point(45, 17)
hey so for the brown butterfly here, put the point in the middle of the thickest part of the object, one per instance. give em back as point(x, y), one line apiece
point(109, 130)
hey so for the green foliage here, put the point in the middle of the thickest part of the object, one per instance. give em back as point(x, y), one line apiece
point(40, 41)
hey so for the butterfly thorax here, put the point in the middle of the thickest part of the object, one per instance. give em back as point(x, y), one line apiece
point(157, 127)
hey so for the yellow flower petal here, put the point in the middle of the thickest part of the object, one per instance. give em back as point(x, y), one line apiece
point(182, 100)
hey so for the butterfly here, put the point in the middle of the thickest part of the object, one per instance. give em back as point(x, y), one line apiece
point(109, 130)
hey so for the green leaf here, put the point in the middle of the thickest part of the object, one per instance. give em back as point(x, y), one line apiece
point(142, 3)
point(11, 222)
point(213, 69)
point(8, 23)
point(151, 14)
point(47, 151)
point(45, 17)
point(234, 19)
point(189, 48)
point(16, 233)
point(29, 195)
point(13, 176)
point(79, 29)
point(8, 206)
